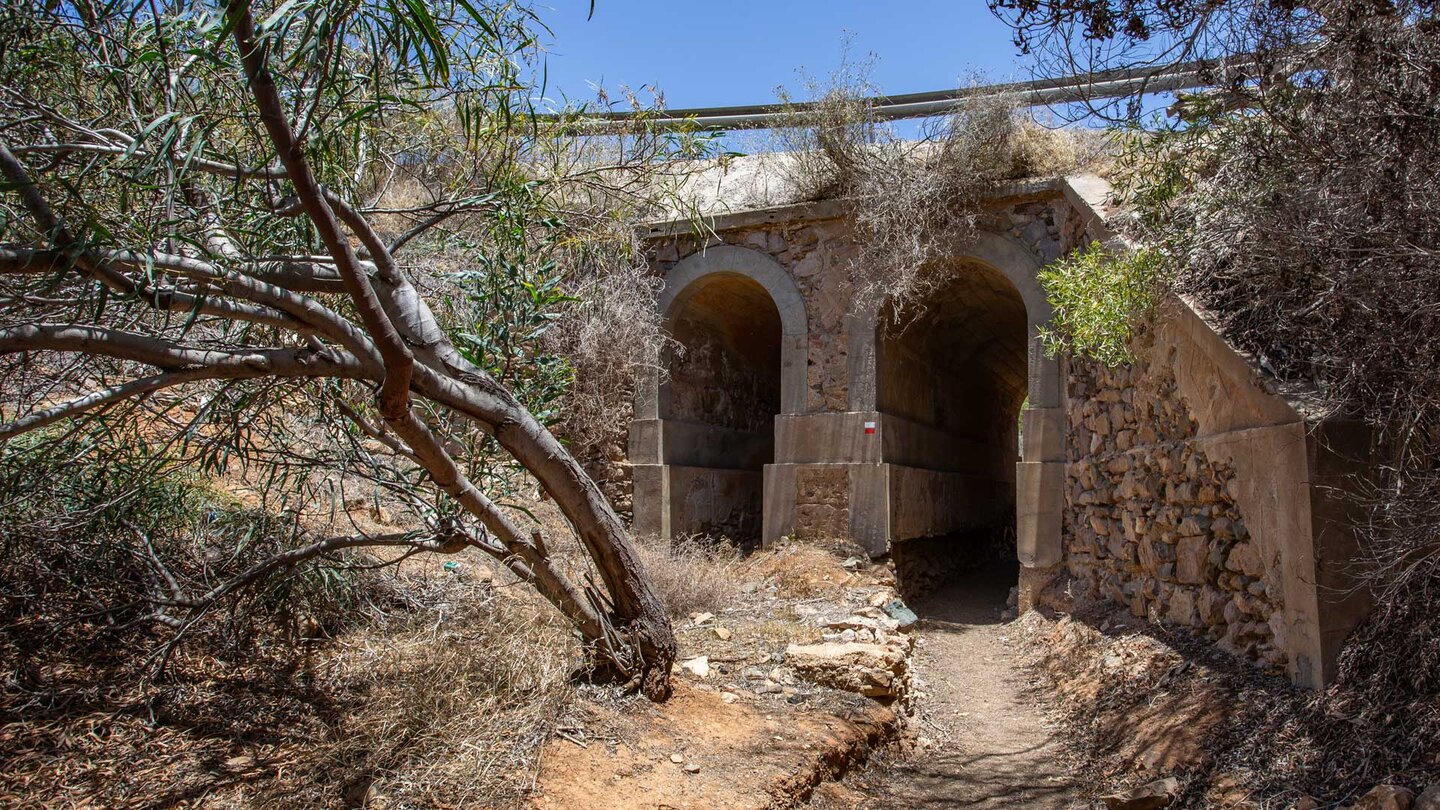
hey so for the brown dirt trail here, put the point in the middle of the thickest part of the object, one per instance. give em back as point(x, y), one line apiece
point(993, 746)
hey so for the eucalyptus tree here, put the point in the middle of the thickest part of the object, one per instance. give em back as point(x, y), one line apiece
point(199, 201)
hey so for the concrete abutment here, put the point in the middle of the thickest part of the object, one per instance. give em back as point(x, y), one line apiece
point(1184, 486)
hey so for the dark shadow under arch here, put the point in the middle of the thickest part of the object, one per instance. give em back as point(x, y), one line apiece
point(951, 376)
point(719, 401)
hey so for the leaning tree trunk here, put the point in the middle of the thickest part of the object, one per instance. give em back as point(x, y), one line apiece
point(633, 632)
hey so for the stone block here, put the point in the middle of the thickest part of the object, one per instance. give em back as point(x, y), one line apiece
point(869, 669)
point(1182, 609)
point(1245, 558)
point(1190, 560)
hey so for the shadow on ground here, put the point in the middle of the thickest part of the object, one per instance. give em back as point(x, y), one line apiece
point(989, 745)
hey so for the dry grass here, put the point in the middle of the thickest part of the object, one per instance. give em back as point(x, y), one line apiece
point(691, 575)
point(798, 570)
point(453, 704)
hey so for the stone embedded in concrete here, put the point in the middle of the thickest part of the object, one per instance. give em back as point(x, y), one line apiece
point(873, 670)
point(822, 502)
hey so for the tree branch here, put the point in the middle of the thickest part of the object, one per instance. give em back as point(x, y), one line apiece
point(171, 356)
point(99, 399)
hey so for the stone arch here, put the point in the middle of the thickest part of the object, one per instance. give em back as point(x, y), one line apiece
point(1020, 267)
point(680, 283)
point(1039, 472)
point(704, 430)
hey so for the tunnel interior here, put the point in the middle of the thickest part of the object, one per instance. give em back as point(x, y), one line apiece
point(951, 379)
point(723, 392)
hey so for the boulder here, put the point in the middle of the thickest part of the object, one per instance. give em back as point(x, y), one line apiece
point(1245, 559)
point(858, 623)
point(1386, 797)
point(903, 616)
point(1429, 799)
point(874, 670)
point(1150, 796)
point(1182, 608)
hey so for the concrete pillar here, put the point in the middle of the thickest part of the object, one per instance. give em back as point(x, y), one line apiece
point(778, 518)
point(651, 500)
point(1040, 496)
point(1039, 505)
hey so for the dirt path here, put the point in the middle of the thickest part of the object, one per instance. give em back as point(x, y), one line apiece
point(994, 747)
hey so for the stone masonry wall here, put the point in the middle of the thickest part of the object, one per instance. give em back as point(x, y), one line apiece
point(1152, 523)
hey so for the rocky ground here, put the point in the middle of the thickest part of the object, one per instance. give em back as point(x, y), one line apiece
point(787, 688)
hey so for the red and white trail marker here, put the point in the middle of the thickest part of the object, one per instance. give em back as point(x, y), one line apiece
point(869, 428)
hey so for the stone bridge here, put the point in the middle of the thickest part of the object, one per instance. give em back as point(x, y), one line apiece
point(1187, 486)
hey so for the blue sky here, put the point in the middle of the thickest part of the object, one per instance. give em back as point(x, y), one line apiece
point(738, 51)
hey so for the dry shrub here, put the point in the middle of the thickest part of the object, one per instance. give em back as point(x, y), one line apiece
point(449, 706)
point(828, 143)
point(614, 322)
point(100, 532)
point(692, 575)
point(916, 202)
point(1044, 148)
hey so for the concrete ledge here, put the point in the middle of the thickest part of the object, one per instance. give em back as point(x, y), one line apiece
point(827, 438)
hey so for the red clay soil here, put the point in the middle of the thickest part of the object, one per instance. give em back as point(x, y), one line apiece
point(731, 756)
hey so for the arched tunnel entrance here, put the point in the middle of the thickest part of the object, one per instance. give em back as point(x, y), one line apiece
point(952, 375)
point(719, 403)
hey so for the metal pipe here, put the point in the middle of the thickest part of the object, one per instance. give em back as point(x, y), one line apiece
point(1116, 83)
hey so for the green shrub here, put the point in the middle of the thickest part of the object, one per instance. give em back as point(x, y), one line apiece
point(1097, 295)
